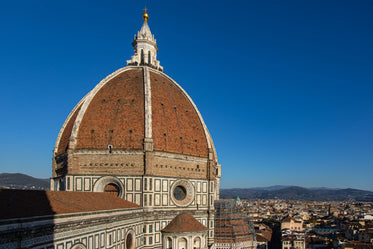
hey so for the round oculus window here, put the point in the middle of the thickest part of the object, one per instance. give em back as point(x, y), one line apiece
point(182, 192)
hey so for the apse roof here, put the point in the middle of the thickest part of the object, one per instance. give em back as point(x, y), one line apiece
point(184, 222)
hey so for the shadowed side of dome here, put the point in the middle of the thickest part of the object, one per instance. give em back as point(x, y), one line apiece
point(63, 142)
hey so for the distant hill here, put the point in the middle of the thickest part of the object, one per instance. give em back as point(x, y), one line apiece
point(299, 193)
point(21, 181)
point(275, 187)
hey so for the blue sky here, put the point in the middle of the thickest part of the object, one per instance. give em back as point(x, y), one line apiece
point(285, 87)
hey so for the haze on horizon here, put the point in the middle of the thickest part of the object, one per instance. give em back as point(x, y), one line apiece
point(285, 89)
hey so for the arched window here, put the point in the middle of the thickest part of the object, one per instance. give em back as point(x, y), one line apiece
point(142, 57)
point(130, 242)
point(109, 184)
point(197, 243)
point(169, 243)
point(112, 189)
point(149, 58)
point(78, 246)
point(182, 243)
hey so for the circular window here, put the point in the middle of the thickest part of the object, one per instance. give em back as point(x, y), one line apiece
point(109, 184)
point(182, 192)
point(179, 193)
point(112, 189)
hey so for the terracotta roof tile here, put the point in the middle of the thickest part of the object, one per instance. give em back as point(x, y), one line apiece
point(176, 125)
point(260, 238)
point(28, 203)
point(288, 219)
point(184, 222)
point(115, 115)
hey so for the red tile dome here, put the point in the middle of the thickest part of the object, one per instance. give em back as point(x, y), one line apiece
point(133, 105)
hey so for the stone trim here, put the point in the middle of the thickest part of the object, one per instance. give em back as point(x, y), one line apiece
point(101, 183)
point(189, 198)
point(148, 140)
point(170, 155)
point(148, 103)
point(65, 123)
point(105, 152)
point(16, 223)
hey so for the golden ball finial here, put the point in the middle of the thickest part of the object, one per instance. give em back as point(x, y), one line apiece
point(145, 15)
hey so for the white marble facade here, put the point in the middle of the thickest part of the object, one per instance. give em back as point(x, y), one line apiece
point(155, 195)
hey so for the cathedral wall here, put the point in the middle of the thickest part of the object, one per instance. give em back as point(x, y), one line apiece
point(175, 165)
point(93, 230)
point(131, 162)
point(156, 195)
point(106, 162)
point(148, 191)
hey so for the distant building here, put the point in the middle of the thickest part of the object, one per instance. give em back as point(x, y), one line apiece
point(261, 241)
point(357, 245)
point(368, 217)
point(289, 223)
point(293, 242)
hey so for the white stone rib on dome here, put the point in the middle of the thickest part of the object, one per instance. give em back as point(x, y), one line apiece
point(65, 124)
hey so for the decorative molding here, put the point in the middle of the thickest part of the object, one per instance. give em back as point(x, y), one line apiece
point(169, 155)
point(105, 152)
point(189, 188)
point(148, 103)
point(101, 183)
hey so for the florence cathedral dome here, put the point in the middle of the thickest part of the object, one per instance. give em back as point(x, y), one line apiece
point(136, 121)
